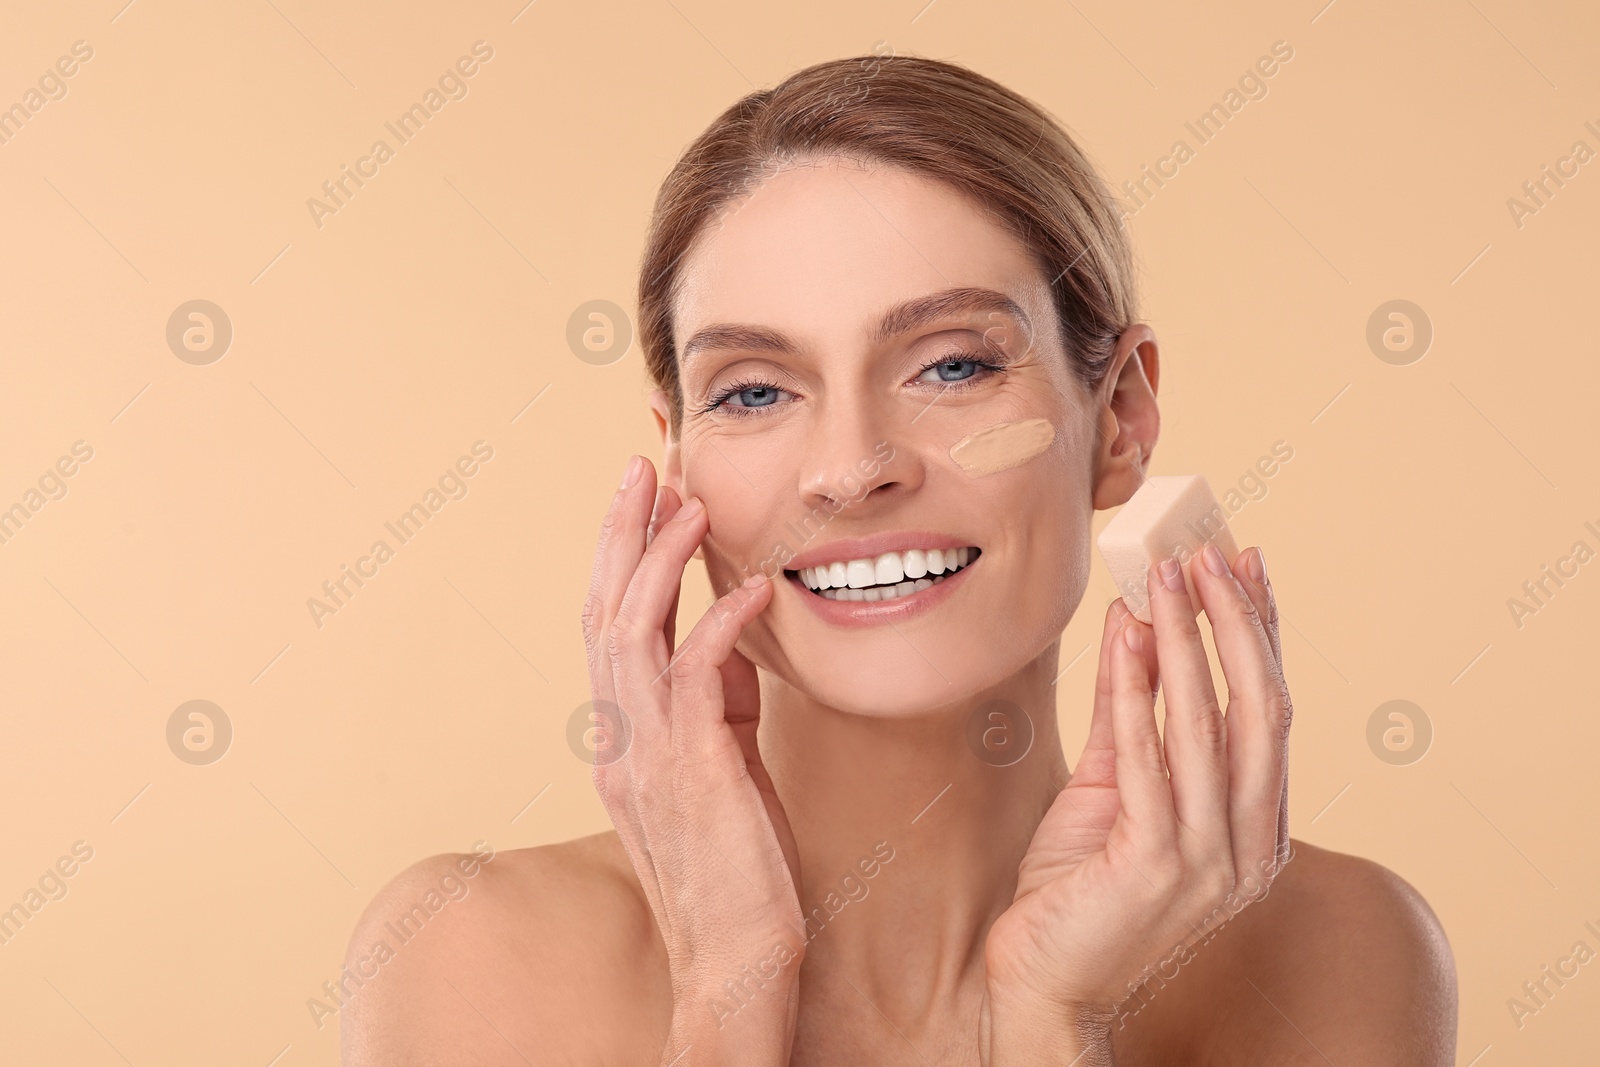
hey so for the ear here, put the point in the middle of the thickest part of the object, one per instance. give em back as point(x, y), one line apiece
point(1128, 417)
point(671, 461)
point(671, 455)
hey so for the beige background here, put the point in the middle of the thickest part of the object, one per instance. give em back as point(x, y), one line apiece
point(426, 315)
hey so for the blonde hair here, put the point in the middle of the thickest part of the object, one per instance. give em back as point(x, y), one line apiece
point(932, 118)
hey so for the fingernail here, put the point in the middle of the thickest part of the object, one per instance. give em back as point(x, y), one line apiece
point(1214, 561)
point(1134, 638)
point(1172, 574)
point(631, 474)
point(1258, 566)
point(691, 509)
point(755, 580)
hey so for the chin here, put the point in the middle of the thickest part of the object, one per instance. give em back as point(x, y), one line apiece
point(883, 677)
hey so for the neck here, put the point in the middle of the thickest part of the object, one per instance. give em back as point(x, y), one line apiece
point(909, 840)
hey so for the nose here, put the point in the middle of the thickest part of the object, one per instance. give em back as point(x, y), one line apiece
point(852, 459)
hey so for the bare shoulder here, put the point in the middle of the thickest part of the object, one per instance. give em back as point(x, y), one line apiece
point(505, 957)
point(1342, 959)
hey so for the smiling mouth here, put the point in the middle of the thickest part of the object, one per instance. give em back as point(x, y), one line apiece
point(886, 577)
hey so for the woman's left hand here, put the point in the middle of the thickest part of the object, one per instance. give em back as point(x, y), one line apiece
point(1156, 841)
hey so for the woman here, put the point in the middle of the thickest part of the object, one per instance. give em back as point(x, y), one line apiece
point(847, 276)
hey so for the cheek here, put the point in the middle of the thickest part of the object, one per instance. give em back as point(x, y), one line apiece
point(1002, 447)
point(1042, 521)
point(740, 540)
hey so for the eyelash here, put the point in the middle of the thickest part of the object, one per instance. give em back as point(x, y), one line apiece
point(741, 411)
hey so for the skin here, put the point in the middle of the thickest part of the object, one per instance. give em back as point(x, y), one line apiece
point(771, 750)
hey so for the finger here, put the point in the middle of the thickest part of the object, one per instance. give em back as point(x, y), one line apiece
point(1195, 740)
point(669, 629)
point(741, 699)
point(620, 547)
point(1151, 657)
point(741, 709)
point(1097, 763)
point(639, 631)
point(1258, 712)
point(1251, 570)
point(698, 698)
point(1281, 856)
point(1142, 784)
point(1250, 562)
point(667, 504)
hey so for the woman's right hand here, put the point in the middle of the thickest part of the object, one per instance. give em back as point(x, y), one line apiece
point(689, 797)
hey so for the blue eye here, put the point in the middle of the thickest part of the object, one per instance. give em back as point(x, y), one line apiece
point(742, 398)
point(758, 396)
point(958, 368)
point(953, 370)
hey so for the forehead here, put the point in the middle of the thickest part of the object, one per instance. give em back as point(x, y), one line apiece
point(820, 249)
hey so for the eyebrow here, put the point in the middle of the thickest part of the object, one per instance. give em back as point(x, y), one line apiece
point(900, 319)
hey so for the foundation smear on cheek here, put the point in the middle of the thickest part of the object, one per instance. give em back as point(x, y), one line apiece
point(1001, 447)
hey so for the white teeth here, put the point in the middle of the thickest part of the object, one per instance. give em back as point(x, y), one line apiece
point(886, 577)
point(886, 592)
point(888, 569)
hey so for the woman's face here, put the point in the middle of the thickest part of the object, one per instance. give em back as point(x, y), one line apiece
point(838, 331)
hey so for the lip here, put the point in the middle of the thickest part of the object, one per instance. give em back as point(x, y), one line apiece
point(863, 613)
point(849, 548)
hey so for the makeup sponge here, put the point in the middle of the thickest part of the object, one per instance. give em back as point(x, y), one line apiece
point(1169, 515)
